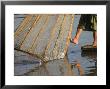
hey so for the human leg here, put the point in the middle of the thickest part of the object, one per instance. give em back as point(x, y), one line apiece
point(76, 38)
point(94, 38)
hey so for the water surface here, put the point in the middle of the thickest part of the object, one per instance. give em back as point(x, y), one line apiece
point(75, 62)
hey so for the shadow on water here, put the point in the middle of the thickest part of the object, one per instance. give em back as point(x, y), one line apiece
point(92, 58)
point(83, 63)
point(53, 68)
point(83, 66)
point(69, 66)
point(75, 62)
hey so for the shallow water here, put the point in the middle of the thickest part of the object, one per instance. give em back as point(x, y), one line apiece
point(74, 64)
point(86, 61)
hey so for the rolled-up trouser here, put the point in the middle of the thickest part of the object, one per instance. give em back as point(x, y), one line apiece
point(88, 22)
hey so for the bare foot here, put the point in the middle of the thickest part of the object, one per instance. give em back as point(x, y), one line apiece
point(94, 44)
point(75, 40)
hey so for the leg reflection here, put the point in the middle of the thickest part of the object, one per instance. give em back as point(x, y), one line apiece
point(77, 65)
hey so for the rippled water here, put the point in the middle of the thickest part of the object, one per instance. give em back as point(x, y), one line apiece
point(76, 63)
point(88, 61)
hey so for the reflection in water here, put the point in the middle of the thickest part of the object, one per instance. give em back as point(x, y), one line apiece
point(69, 67)
point(54, 68)
point(75, 62)
point(79, 68)
point(84, 66)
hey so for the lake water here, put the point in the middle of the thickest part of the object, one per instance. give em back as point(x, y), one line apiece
point(76, 63)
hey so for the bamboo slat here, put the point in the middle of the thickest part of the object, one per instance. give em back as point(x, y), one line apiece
point(46, 36)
